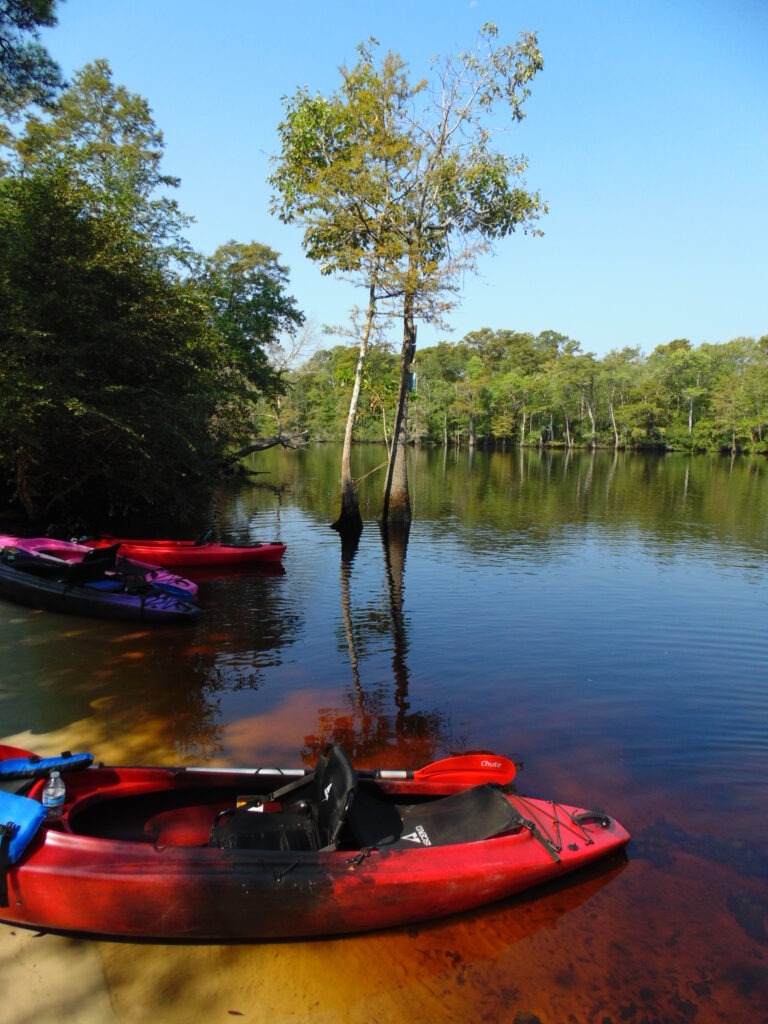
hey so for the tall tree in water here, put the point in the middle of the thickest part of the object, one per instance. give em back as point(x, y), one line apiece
point(398, 184)
point(458, 195)
point(337, 173)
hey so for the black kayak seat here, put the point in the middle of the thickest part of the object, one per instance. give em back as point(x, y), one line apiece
point(81, 573)
point(314, 814)
point(102, 555)
point(335, 793)
point(467, 817)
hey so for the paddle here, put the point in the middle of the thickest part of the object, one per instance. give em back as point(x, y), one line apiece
point(484, 767)
point(463, 769)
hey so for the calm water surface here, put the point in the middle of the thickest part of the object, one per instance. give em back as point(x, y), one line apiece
point(604, 619)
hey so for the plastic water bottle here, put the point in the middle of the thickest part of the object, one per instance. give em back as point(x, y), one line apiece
point(54, 794)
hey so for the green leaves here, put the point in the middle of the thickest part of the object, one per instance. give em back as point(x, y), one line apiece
point(245, 286)
point(104, 138)
point(27, 72)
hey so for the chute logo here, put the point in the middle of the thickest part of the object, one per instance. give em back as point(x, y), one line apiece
point(419, 835)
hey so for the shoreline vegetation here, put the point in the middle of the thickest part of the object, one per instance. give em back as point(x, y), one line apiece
point(507, 389)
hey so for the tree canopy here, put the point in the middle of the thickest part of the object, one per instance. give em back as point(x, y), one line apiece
point(131, 367)
point(399, 184)
point(105, 139)
point(28, 74)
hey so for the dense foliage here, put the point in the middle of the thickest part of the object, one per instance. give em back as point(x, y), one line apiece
point(129, 366)
point(510, 388)
point(106, 362)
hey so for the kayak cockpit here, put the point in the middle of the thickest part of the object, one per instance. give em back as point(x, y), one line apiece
point(327, 809)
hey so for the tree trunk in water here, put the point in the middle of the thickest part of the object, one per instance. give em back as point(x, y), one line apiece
point(350, 522)
point(396, 504)
point(522, 430)
point(591, 415)
point(613, 422)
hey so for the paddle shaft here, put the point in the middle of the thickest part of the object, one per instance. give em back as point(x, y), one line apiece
point(485, 767)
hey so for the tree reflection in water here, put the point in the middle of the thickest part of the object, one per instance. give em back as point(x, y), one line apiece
point(369, 731)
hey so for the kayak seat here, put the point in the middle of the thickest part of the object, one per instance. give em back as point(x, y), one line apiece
point(467, 817)
point(106, 555)
point(81, 573)
point(312, 816)
point(335, 793)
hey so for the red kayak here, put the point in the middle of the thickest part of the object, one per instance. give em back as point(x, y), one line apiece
point(227, 854)
point(190, 553)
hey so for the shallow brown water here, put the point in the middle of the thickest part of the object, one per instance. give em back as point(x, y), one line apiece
point(603, 619)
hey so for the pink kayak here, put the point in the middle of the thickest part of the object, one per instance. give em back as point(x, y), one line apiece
point(68, 551)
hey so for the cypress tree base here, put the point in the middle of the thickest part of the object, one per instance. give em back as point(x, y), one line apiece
point(350, 522)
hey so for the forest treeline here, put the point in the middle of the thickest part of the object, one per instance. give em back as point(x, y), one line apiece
point(501, 388)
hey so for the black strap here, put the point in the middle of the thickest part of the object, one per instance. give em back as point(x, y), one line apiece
point(536, 833)
point(278, 794)
point(289, 787)
point(6, 831)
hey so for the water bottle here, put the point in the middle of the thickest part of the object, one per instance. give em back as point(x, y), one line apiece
point(54, 794)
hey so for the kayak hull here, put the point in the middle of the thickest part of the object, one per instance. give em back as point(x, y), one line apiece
point(147, 871)
point(187, 553)
point(58, 595)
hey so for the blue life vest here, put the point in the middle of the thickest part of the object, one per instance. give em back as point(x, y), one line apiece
point(20, 818)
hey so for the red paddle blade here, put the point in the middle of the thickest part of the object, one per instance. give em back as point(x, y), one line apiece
point(470, 769)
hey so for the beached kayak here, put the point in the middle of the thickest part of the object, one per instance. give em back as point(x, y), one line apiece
point(69, 551)
point(183, 853)
point(90, 587)
point(191, 553)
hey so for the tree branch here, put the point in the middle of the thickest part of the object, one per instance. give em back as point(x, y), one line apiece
point(294, 441)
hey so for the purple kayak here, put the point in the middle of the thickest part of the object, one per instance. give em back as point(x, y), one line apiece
point(93, 586)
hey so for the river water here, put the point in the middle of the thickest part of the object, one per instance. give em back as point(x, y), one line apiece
point(602, 618)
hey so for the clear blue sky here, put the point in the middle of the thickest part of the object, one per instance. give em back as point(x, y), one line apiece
point(646, 132)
